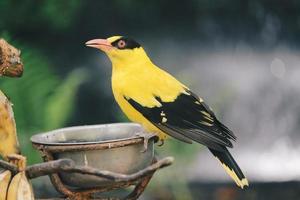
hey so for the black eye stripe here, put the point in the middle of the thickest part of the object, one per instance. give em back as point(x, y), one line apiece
point(129, 43)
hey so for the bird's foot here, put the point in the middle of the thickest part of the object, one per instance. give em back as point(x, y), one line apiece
point(18, 160)
point(146, 137)
point(162, 142)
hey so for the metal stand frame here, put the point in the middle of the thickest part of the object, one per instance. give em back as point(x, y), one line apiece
point(53, 167)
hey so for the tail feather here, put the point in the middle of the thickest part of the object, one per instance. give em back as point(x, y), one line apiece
point(226, 130)
point(231, 167)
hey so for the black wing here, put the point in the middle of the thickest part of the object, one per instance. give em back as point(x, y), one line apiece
point(188, 118)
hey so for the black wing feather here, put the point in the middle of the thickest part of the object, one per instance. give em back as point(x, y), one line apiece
point(188, 118)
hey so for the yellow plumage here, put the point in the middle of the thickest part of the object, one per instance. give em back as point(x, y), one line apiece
point(240, 182)
point(8, 138)
point(10, 66)
point(143, 88)
point(144, 92)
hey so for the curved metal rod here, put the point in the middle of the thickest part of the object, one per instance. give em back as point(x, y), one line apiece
point(11, 167)
point(48, 168)
point(68, 165)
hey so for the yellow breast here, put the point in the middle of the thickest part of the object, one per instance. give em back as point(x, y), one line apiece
point(142, 85)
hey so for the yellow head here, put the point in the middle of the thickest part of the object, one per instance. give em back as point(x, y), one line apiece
point(122, 51)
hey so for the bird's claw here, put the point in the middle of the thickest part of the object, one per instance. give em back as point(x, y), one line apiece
point(18, 160)
point(162, 142)
point(146, 137)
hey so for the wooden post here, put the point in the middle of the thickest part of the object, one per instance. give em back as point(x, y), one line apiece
point(10, 61)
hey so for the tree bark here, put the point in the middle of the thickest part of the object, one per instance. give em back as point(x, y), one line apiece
point(10, 61)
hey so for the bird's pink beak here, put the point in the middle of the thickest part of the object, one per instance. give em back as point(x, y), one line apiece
point(101, 44)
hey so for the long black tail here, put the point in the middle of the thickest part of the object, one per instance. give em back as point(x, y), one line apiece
point(230, 166)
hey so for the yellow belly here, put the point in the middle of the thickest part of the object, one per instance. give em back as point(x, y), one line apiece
point(142, 83)
point(135, 116)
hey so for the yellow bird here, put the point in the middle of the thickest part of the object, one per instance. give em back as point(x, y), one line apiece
point(152, 97)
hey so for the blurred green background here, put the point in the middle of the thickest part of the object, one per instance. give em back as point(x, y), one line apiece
point(238, 54)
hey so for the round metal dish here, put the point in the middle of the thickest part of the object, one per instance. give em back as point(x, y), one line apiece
point(122, 147)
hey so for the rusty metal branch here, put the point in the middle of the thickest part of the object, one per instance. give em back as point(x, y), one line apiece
point(140, 179)
point(68, 165)
point(48, 168)
point(117, 177)
point(11, 167)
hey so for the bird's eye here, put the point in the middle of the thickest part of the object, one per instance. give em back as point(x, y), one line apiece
point(121, 44)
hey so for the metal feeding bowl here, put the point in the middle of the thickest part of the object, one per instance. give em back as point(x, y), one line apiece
point(122, 147)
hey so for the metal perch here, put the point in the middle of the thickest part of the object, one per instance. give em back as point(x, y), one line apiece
point(68, 165)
